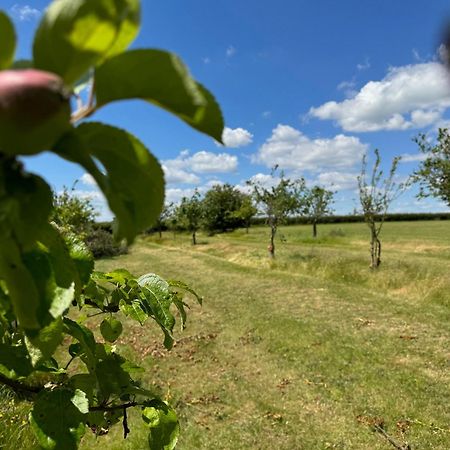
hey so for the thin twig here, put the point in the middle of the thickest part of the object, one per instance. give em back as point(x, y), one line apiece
point(126, 430)
point(114, 407)
point(390, 440)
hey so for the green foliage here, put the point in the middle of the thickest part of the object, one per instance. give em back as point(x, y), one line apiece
point(75, 35)
point(160, 78)
point(277, 202)
point(163, 424)
point(317, 203)
point(222, 208)
point(7, 41)
point(102, 243)
point(73, 213)
point(434, 172)
point(189, 214)
point(376, 194)
point(132, 173)
point(45, 268)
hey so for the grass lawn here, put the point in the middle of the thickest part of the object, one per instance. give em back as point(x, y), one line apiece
point(311, 351)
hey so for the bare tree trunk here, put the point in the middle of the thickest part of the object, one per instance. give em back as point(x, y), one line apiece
point(314, 229)
point(194, 241)
point(160, 233)
point(375, 248)
point(271, 247)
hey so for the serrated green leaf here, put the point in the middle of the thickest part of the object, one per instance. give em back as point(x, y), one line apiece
point(185, 287)
point(160, 78)
point(75, 35)
point(58, 418)
point(7, 41)
point(133, 176)
point(163, 423)
point(133, 310)
point(120, 276)
point(14, 361)
point(111, 329)
point(159, 299)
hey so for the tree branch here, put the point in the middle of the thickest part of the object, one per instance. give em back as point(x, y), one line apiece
point(17, 386)
point(114, 407)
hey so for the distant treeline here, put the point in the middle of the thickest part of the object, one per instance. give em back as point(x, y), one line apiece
point(397, 217)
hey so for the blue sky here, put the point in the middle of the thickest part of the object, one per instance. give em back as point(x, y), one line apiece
point(309, 85)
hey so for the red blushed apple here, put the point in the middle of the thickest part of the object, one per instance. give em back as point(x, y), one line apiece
point(34, 111)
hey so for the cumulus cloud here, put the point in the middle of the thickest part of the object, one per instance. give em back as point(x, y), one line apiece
point(88, 180)
point(338, 181)
point(291, 149)
point(24, 12)
point(207, 162)
point(185, 167)
point(175, 174)
point(237, 137)
point(413, 96)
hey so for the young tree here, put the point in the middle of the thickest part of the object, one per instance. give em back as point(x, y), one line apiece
point(73, 213)
point(376, 194)
point(166, 213)
point(190, 214)
point(434, 172)
point(246, 211)
point(277, 202)
point(44, 274)
point(317, 204)
point(220, 205)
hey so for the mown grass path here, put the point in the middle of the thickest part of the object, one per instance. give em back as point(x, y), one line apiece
point(312, 352)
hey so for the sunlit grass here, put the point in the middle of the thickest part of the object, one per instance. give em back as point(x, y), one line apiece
point(310, 351)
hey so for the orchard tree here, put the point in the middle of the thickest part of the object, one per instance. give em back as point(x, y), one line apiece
point(246, 211)
point(164, 217)
point(220, 205)
point(72, 212)
point(190, 214)
point(277, 202)
point(45, 273)
point(317, 204)
point(376, 194)
point(434, 172)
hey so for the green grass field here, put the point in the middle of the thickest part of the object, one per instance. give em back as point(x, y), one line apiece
point(311, 351)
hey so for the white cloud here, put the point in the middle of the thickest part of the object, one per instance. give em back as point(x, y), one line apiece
point(174, 195)
point(184, 167)
point(411, 96)
point(24, 12)
point(291, 149)
point(337, 181)
point(174, 172)
point(206, 60)
point(207, 162)
point(266, 114)
point(231, 51)
point(408, 157)
point(348, 87)
point(88, 180)
point(237, 137)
